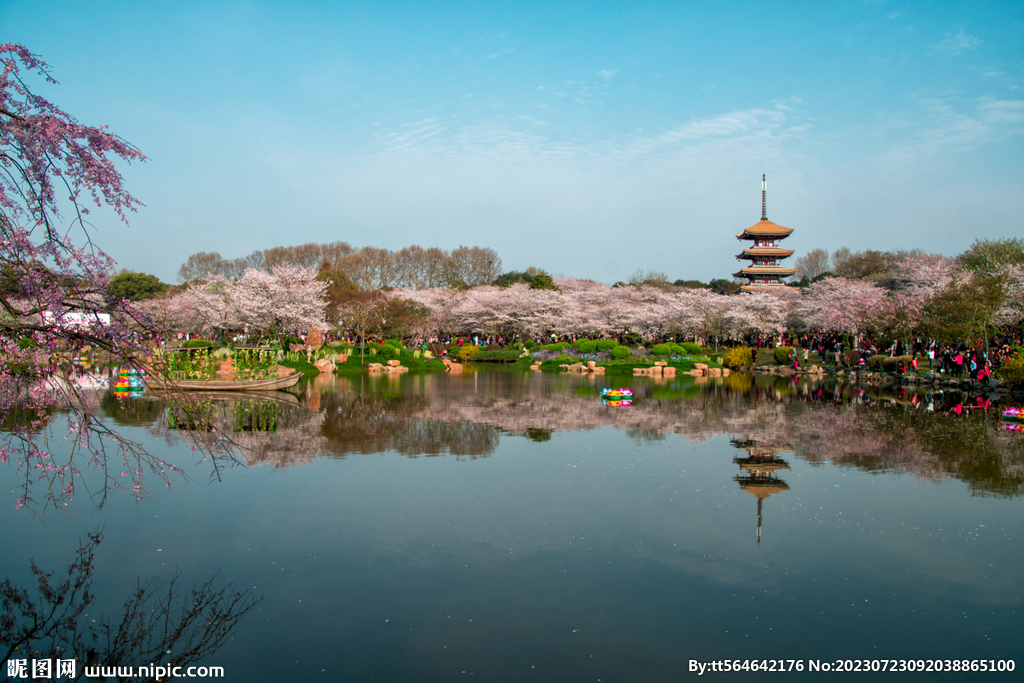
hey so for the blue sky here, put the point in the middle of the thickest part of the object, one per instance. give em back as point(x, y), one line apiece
point(589, 139)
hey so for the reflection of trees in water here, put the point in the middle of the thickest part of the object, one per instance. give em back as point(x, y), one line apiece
point(165, 624)
point(871, 430)
point(374, 423)
point(437, 415)
point(344, 424)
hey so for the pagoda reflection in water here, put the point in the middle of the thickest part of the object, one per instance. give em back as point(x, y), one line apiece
point(759, 471)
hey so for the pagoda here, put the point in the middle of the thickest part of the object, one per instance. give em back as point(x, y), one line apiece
point(765, 253)
point(760, 469)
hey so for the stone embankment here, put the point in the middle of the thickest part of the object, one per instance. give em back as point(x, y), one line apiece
point(452, 366)
point(590, 368)
point(393, 367)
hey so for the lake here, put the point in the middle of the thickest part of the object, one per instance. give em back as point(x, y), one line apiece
point(508, 526)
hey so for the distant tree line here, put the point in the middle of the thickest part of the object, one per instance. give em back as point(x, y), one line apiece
point(985, 257)
point(368, 268)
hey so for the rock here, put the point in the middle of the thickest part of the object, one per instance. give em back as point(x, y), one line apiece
point(638, 372)
point(666, 371)
point(714, 372)
point(282, 371)
point(324, 365)
point(654, 371)
point(662, 363)
point(375, 367)
point(725, 372)
point(700, 366)
point(696, 373)
point(341, 358)
point(394, 363)
point(598, 371)
point(296, 347)
point(591, 364)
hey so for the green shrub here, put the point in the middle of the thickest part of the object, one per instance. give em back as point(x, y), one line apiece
point(586, 346)
point(661, 349)
point(1013, 370)
point(875, 362)
point(468, 351)
point(737, 357)
point(529, 344)
point(606, 344)
point(678, 350)
point(453, 350)
point(396, 343)
point(632, 339)
point(290, 340)
point(850, 359)
point(691, 348)
point(200, 343)
point(560, 346)
point(621, 352)
point(783, 354)
point(506, 355)
point(389, 350)
point(891, 364)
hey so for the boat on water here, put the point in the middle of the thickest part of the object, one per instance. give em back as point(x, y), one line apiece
point(617, 393)
point(616, 403)
point(1014, 414)
point(270, 384)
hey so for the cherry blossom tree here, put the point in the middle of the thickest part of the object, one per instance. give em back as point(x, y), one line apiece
point(837, 304)
point(286, 299)
point(52, 168)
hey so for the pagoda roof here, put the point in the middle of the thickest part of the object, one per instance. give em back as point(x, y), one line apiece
point(758, 288)
point(767, 270)
point(766, 251)
point(761, 488)
point(764, 228)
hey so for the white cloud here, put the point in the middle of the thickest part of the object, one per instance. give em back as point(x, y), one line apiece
point(607, 74)
point(955, 44)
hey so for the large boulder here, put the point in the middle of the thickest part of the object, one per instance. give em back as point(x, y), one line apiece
point(324, 365)
point(282, 371)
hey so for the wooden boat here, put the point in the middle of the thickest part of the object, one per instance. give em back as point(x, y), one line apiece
point(270, 384)
point(616, 403)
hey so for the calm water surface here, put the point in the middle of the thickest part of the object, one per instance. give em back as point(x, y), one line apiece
point(505, 526)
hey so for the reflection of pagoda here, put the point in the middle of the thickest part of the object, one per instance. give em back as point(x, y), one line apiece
point(759, 469)
point(765, 253)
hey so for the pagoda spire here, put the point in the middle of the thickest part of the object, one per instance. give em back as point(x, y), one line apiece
point(764, 198)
